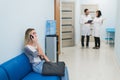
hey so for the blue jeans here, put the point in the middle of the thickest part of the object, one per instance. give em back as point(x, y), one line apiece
point(38, 68)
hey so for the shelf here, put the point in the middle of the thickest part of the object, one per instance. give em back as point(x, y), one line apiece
point(67, 32)
point(66, 38)
point(66, 10)
point(66, 24)
point(66, 17)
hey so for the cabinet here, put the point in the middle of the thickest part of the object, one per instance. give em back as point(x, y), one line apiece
point(51, 47)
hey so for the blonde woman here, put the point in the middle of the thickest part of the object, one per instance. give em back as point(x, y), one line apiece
point(33, 51)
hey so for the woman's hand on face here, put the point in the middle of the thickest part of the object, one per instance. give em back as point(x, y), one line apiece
point(33, 36)
point(35, 39)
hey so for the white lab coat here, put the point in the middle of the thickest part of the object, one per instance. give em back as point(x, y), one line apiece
point(85, 29)
point(97, 23)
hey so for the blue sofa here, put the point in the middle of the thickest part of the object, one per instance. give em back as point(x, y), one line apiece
point(19, 68)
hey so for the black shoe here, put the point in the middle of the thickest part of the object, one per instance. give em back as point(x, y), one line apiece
point(94, 47)
point(87, 46)
point(98, 47)
point(82, 46)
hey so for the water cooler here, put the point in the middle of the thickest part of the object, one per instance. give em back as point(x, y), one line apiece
point(51, 41)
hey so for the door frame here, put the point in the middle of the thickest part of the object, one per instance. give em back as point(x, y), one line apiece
point(57, 18)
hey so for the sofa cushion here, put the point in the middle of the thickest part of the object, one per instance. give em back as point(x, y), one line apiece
point(17, 67)
point(37, 76)
point(3, 74)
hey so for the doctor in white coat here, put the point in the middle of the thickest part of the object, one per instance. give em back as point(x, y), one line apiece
point(97, 23)
point(85, 30)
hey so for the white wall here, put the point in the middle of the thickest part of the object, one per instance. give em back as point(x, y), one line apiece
point(109, 11)
point(18, 15)
point(117, 37)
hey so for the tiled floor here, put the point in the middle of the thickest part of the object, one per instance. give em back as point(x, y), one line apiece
point(90, 64)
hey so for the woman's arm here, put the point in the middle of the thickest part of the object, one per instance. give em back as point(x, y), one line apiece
point(41, 53)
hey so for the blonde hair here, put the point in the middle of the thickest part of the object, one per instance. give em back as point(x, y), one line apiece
point(27, 35)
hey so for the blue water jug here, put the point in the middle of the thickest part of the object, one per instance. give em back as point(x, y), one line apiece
point(50, 27)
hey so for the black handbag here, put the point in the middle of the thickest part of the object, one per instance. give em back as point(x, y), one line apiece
point(53, 69)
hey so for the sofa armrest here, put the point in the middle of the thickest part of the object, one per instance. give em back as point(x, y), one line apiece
point(3, 74)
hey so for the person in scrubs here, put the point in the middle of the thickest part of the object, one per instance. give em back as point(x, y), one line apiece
point(85, 30)
point(97, 23)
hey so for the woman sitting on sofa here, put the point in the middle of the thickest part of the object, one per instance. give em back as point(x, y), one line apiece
point(31, 43)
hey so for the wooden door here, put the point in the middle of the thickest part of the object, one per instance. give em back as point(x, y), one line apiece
point(67, 17)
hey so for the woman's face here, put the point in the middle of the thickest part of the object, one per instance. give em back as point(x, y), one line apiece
point(96, 14)
point(33, 33)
